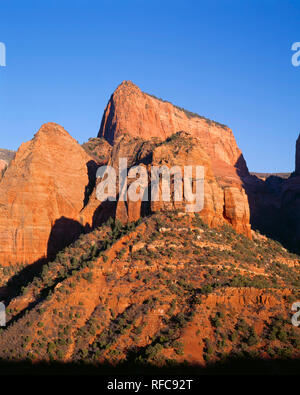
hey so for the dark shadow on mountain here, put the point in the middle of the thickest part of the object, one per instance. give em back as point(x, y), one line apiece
point(91, 171)
point(264, 205)
point(63, 233)
point(230, 366)
point(241, 167)
point(108, 127)
point(146, 202)
point(21, 279)
point(274, 211)
point(104, 211)
point(271, 212)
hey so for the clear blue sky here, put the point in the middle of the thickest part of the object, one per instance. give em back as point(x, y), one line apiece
point(229, 60)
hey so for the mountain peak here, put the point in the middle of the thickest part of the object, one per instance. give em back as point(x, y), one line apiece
point(128, 83)
point(131, 111)
point(41, 196)
point(52, 129)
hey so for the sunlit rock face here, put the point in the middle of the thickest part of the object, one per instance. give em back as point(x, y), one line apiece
point(41, 196)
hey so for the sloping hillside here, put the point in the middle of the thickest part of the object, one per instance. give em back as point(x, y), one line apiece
point(166, 290)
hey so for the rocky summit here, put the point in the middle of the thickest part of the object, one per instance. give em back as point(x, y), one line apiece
point(138, 114)
point(142, 116)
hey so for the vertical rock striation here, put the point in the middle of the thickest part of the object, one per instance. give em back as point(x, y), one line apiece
point(41, 196)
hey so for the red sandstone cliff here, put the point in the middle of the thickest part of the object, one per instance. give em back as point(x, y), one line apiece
point(223, 202)
point(143, 117)
point(41, 195)
point(131, 111)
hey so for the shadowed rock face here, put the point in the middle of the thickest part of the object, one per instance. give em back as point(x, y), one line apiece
point(275, 205)
point(298, 155)
point(290, 205)
point(46, 181)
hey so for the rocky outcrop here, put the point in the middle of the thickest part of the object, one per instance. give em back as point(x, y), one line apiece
point(99, 149)
point(136, 151)
point(7, 155)
point(225, 200)
point(131, 111)
point(41, 196)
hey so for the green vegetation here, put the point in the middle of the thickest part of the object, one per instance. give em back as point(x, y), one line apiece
point(154, 295)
